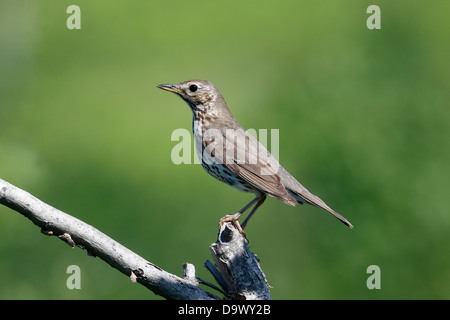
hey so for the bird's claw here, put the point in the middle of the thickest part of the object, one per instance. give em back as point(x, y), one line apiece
point(234, 219)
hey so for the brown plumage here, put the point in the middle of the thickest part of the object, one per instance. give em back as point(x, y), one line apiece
point(233, 156)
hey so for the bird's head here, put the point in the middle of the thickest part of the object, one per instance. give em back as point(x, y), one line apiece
point(200, 95)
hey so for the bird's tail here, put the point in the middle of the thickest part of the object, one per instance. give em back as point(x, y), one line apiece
point(314, 200)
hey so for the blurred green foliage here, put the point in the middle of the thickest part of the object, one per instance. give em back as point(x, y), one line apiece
point(363, 117)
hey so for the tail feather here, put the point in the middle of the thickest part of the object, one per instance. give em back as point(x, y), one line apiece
point(314, 200)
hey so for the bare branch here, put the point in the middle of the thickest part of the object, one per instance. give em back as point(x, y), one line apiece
point(239, 272)
point(237, 269)
point(75, 232)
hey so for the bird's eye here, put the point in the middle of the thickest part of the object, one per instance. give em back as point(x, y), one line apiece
point(193, 87)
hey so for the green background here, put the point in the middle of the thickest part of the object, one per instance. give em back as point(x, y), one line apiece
point(363, 118)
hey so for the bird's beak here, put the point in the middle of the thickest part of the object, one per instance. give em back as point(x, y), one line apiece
point(170, 87)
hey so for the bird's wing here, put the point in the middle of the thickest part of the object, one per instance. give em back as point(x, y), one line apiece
point(251, 161)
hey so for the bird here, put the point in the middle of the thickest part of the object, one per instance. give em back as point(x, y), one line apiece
point(231, 155)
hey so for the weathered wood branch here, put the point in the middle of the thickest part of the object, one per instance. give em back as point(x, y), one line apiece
point(237, 272)
point(241, 275)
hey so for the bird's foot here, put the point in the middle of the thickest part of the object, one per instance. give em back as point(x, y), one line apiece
point(234, 219)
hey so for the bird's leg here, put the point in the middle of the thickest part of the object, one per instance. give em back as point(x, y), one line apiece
point(234, 217)
point(258, 204)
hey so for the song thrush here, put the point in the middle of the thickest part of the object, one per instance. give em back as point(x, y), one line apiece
point(230, 154)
